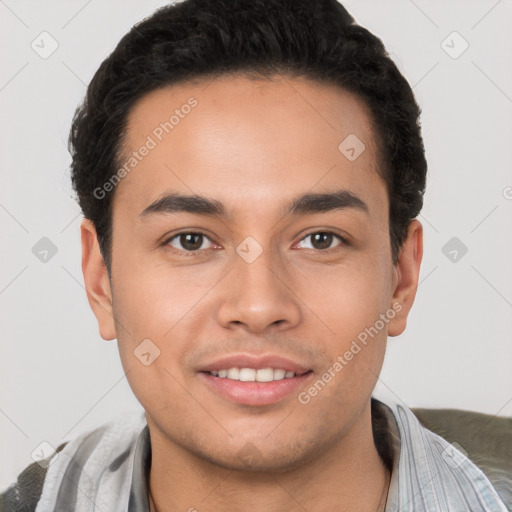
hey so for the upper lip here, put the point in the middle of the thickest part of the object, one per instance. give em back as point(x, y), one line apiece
point(256, 362)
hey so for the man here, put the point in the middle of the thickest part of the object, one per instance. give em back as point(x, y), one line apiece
point(250, 175)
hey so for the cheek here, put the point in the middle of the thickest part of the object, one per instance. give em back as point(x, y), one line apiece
point(156, 311)
point(147, 314)
point(148, 296)
point(355, 342)
point(348, 299)
point(349, 302)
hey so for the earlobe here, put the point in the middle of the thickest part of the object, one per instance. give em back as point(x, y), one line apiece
point(407, 270)
point(96, 279)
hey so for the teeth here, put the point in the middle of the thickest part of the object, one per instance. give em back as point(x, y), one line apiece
point(233, 373)
point(279, 374)
point(252, 375)
point(265, 375)
point(247, 375)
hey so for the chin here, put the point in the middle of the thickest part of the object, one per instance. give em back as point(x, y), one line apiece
point(256, 459)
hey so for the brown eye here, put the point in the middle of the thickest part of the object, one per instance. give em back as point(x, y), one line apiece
point(189, 241)
point(322, 240)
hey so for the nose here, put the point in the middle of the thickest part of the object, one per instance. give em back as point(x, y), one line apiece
point(259, 295)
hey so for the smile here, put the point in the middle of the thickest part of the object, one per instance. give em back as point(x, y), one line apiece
point(249, 386)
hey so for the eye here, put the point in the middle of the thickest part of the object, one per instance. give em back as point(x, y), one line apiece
point(194, 241)
point(322, 240)
point(190, 241)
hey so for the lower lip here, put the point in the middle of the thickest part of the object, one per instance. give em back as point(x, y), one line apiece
point(254, 393)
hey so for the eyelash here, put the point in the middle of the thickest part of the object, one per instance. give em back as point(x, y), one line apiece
point(344, 241)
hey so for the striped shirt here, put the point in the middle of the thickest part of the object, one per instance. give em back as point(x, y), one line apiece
point(107, 469)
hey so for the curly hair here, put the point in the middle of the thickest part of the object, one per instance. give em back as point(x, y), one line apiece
point(194, 39)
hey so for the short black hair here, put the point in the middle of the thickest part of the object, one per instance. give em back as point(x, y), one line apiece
point(195, 39)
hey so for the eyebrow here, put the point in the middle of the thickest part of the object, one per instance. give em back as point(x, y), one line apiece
point(305, 204)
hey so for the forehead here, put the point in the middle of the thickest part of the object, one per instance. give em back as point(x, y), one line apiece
point(248, 141)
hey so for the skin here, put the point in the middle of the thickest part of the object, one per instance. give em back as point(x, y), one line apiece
point(254, 145)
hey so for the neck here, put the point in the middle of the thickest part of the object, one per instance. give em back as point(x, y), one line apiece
point(346, 476)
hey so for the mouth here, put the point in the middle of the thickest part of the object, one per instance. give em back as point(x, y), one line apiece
point(251, 386)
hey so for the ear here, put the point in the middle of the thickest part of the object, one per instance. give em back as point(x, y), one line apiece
point(97, 283)
point(407, 271)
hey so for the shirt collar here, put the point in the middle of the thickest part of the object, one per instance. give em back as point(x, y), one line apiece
point(427, 473)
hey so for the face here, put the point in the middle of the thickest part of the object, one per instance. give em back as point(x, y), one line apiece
point(249, 271)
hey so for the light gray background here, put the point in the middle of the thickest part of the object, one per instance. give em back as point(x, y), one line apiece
point(59, 378)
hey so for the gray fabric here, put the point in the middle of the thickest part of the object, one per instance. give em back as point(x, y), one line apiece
point(431, 475)
point(23, 495)
point(66, 497)
point(486, 439)
point(139, 493)
point(115, 460)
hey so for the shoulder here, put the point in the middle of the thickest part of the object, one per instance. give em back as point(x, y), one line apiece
point(40, 481)
point(25, 492)
point(485, 439)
